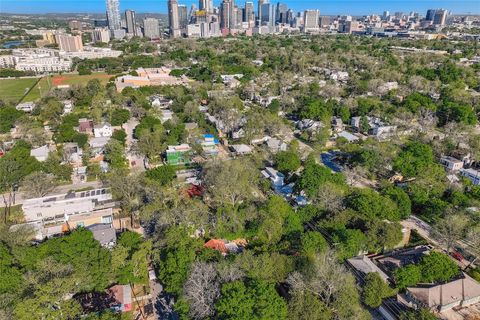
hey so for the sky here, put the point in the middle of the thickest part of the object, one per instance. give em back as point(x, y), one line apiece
point(327, 7)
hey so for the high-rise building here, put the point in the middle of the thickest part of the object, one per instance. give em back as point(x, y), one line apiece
point(173, 19)
point(151, 28)
point(226, 10)
point(113, 14)
point(238, 17)
point(206, 5)
point(386, 14)
point(267, 17)
point(182, 16)
point(69, 43)
point(100, 23)
point(101, 35)
point(130, 21)
point(324, 21)
point(310, 20)
point(430, 15)
point(440, 17)
point(248, 13)
point(281, 10)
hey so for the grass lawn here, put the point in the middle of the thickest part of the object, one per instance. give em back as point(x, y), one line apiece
point(43, 87)
point(14, 89)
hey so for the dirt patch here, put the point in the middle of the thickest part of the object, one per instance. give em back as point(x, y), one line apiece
point(58, 80)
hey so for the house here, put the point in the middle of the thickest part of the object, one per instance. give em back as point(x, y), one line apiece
point(85, 126)
point(97, 145)
point(177, 155)
point(41, 154)
point(80, 173)
point(275, 145)
point(226, 247)
point(123, 297)
point(277, 178)
point(26, 106)
point(102, 130)
point(104, 233)
point(461, 292)
point(376, 127)
point(337, 124)
point(365, 265)
point(72, 153)
point(209, 145)
point(309, 125)
point(67, 107)
point(451, 163)
point(383, 131)
point(166, 115)
point(241, 149)
point(159, 101)
point(471, 174)
point(351, 138)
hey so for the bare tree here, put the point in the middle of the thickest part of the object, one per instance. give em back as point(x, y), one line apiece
point(202, 289)
point(324, 279)
point(38, 184)
point(473, 240)
point(451, 229)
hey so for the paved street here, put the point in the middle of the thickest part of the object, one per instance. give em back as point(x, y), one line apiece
point(136, 161)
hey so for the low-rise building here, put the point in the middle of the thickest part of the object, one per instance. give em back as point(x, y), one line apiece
point(461, 292)
point(7, 61)
point(59, 208)
point(97, 145)
point(102, 130)
point(177, 155)
point(451, 163)
point(26, 106)
point(41, 154)
point(471, 174)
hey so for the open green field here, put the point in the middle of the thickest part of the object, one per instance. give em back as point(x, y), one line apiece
point(14, 89)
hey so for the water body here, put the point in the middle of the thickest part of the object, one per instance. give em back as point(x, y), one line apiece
point(11, 44)
point(327, 7)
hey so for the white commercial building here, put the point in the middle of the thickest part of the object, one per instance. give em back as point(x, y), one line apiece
point(60, 207)
point(7, 61)
point(311, 20)
point(151, 28)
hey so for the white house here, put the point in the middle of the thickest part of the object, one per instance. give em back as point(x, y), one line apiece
point(277, 178)
point(67, 107)
point(451, 163)
point(102, 130)
point(26, 106)
point(41, 154)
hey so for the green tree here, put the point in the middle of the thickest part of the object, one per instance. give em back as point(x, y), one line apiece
point(371, 205)
point(438, 267)
point(288, 161)
point(256, 300)
point(313, 242)
point(305, 305)
point(415, 158)
point(163, 174)
point(119, 117)
point(375, 290)
point(120, 136)
point(407, 276)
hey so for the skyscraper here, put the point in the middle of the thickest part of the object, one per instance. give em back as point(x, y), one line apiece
point(130, 21)
point(206, 5)
point(182, 16)
point(267, 18)
point(310, 20)
point(440, 17)
point(226, 15)
point(173, 19)
point(151, 28)
point(430, 15)
point(113, 14)
point(248, 15)
point(259, 10)
point(281, 9)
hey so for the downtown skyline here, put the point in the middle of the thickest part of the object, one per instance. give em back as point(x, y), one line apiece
point(326, 7)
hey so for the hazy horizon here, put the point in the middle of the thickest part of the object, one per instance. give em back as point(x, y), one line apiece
point(327, 7)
